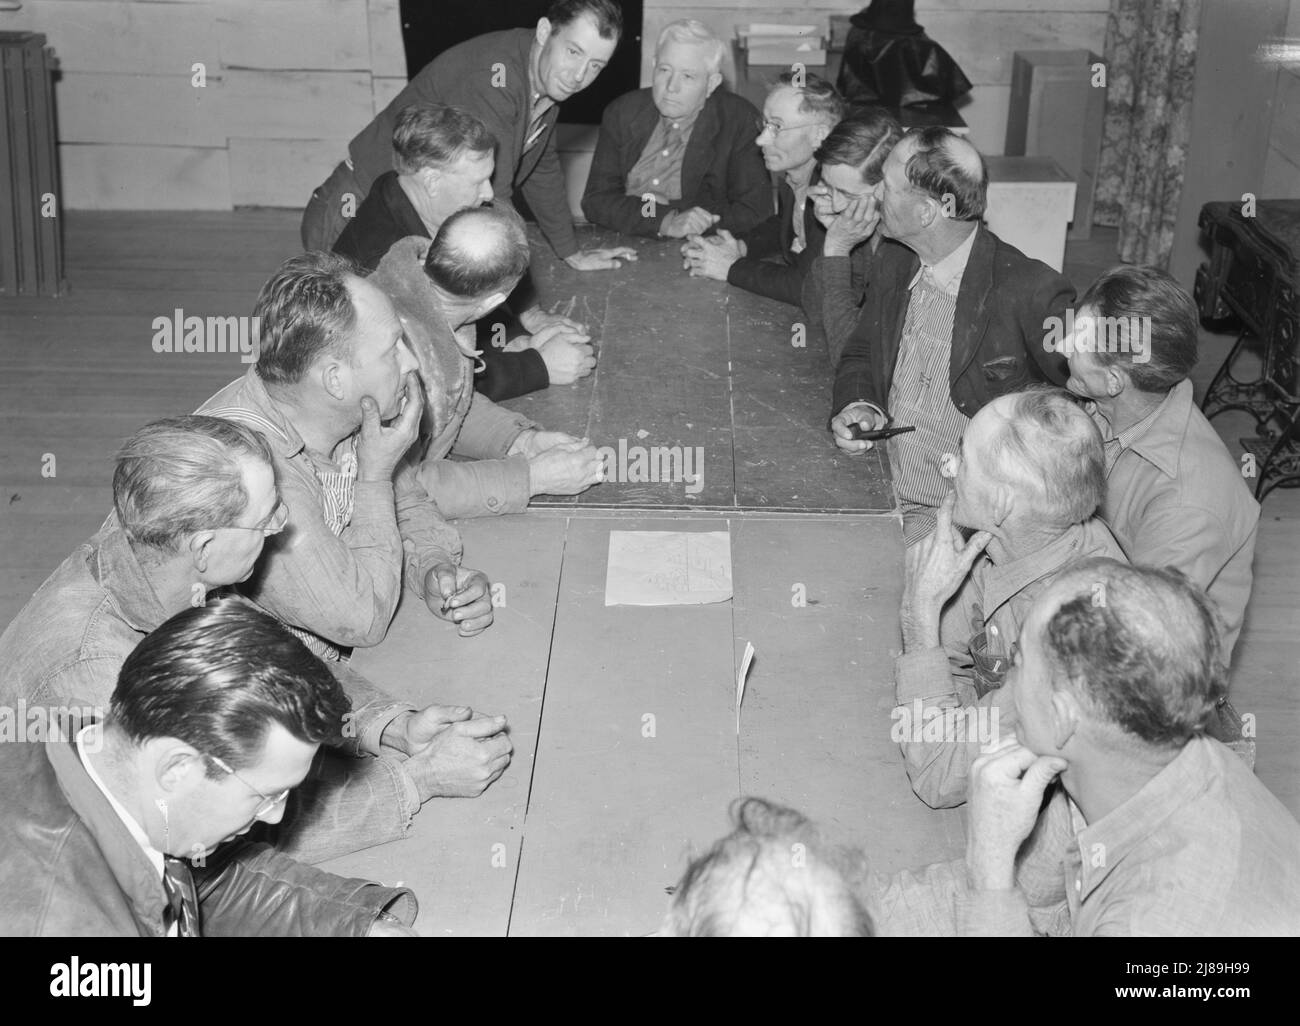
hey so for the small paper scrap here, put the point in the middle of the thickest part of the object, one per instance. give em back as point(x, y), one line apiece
point(668, 568)
point(740, 679)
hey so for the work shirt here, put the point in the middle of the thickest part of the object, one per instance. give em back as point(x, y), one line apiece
point(658, 172)
point(920, 395)
point(1175, 497)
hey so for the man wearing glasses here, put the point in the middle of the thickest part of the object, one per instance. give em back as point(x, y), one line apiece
point(798, 114)
point(134, 826)
point(195, 499)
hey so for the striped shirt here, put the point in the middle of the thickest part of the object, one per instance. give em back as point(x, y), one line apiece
point(920, 394)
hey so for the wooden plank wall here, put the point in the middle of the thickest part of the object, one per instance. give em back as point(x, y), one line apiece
point(1282, 163)
point(287, 83)
point(981, 35)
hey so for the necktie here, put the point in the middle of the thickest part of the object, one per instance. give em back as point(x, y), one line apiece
point(181, 896)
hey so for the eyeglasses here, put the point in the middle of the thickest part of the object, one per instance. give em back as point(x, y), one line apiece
point(768, 125)
point(279, 517)
point(268, 803)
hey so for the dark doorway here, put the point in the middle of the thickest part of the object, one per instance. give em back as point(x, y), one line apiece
point(431, 26)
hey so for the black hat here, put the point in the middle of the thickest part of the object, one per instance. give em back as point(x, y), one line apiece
point(895, 17)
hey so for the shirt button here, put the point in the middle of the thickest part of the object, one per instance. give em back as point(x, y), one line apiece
point(1078, 885)
point(493, 503)
point(664, 154)
point(654, 181)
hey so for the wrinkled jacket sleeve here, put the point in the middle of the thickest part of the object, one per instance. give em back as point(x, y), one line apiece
point(257, 892)
point(372, 710)
point(940, 770)
point(605, 200)
point(749, 184)
point(507, 375)
point(427, 538)
point(832, 298)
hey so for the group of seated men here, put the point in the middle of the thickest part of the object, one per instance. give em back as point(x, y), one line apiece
point(1078, 559)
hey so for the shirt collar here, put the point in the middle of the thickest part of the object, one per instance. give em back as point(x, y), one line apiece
point(154, 856)
point(249, 396)
point(1000, 582)
point(118, 572)
point(1158, 437)
point(1103, 845)
point(948, 272)
point(681, 124)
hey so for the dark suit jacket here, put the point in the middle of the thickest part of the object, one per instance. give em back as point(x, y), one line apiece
point(722, 169)
point(783, 278)
point(998, 329)
point(386, 216)
point(487, 76)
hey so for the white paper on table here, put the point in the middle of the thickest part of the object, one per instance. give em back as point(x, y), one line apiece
point(741, 677)
point(668, 568)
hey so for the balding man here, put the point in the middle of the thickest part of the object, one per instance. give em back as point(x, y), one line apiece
point(799, 112)
point(951, 317)
point(439, 290)
point(1027, 478)
point(679, 157)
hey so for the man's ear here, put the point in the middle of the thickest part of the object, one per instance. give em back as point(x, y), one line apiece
point(819, 134)
point(928, 211)
point(199, 547)
point(488, 304)
point(175, 761)
point(1066, 717)
point(1117, 380)
point(715, 80)
point(543, 31)
point(332, 379)
point(1004, 502)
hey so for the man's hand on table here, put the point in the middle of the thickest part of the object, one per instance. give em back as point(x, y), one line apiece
point(379, 447)
point(558, 463)
point(460, 596)
point(1007, 783)
point(535, 319)
point(453, 752)
point(711, 256)
point(678, 224)
point(600, 259)
point(870, 418)
point(567, 353)
point(935, 568)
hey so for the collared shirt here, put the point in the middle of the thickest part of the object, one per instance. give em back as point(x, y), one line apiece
point(1203, 849)
point(154, 856)
point(342, 586)
point(1175, 497)
point(800, 185)
point(921, 396)
point(658, 171)
point(997, 599)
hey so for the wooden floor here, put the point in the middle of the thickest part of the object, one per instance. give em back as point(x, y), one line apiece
point(78, 374)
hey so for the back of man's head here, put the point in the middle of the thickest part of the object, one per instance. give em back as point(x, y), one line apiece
point(770, 877)
point(1139, 647)
point(181, 475)
point(1146, 323)
point(305, 311)
point(818, 99)
point(217, 677)
point(862, 141)
point(478, 252)
point(949, 170)
point(606, 15)
point(1047, 447)
point(436, 135)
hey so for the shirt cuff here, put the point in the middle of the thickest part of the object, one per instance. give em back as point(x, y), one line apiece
point(923, 675)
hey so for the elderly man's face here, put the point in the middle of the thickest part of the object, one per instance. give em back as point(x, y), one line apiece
point(971, 472)
point(213, 811)
point(572, 56)
point(1030, 679)
point(381, 356)
point(899, 199)
point(1089, 377)
point(235, 549)
point(790, 136)
point(682, 79)
point(465, 182)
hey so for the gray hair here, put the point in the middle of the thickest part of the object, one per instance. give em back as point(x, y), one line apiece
point(1050, 441)
point(693, 32)
point(181, 475)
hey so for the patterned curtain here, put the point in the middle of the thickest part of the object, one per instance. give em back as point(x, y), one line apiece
point(1150, 60)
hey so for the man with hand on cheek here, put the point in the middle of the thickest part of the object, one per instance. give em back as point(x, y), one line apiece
point(1156, 829)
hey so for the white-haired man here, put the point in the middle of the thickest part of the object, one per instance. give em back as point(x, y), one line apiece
point(678, 158)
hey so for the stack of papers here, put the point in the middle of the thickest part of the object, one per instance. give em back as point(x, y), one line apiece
point(769, 43)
